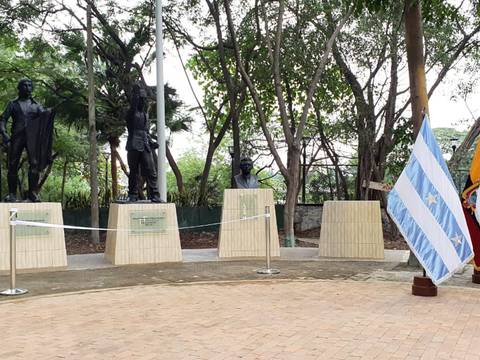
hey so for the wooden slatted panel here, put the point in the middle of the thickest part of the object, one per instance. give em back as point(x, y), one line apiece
point(137, 247)
point(242, 239)
point(351, 229)
point(37, 248)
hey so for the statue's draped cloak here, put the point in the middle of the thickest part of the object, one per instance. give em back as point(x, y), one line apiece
point(40, 138)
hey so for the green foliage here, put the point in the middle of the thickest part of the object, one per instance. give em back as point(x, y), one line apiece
point(191, 166)
point(54, 59)
point(447, 138)
point(374, 6)
point(301, 50)
point(436, 11)
point(206, 69)
point(77, 189)
point(70, 143)
point(320, 187)
point(398, 157)
point(439, 11)
point(58, 84)
point(177, 117)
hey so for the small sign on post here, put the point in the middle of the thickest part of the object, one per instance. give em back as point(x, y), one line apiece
point(377, 186)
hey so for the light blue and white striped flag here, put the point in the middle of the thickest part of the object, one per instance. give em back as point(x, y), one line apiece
point(425, 205)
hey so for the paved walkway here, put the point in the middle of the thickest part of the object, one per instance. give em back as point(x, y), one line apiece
point(245, 320)
point(203, 308)
point(98, 261)
point(92, 271)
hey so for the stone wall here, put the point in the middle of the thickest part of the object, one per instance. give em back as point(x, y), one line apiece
point(308, 217)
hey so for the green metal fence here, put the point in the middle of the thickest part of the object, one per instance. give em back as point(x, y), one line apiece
point(186, 217)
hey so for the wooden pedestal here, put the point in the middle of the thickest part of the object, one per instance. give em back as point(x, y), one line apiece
point(37, 247)
point(476, 276)
point(148, 234)
point(351, 229)
point(246, 238)
point(423, 286)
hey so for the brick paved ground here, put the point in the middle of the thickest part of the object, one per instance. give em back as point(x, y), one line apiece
point(247, 320)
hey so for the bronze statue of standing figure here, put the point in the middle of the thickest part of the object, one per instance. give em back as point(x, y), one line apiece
point(32, 129)
point(245, 180)
point(140, 147)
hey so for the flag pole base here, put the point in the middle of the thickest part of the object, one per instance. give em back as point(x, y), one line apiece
point(268, 271)
point(423, 286)
point(476, 277)
point(13, 292)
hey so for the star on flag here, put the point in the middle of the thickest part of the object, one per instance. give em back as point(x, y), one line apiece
point(431, 199)
point(457, 239)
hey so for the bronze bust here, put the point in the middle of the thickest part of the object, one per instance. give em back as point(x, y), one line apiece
point(245, 180)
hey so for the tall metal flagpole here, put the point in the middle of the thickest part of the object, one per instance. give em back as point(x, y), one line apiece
point(162, 173)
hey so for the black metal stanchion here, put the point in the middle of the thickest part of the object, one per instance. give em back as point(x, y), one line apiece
point(267, 270)
point(13, 259)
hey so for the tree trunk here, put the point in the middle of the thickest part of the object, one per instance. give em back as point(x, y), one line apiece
point(64, 176)
point(113, 169)
point(123, 166)
point(176, 170)
point(416, 63)
point(416, 71)
point(236, 145)
point(213, 144)
point(94, 212)
point(365, 124)
point(203, 183)
point(332, 155)
point(337, 184)
point(330, 185)
point(293, 186)
point(365, 162)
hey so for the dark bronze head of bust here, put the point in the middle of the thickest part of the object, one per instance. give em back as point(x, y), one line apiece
point(139, 98)
point(246, 165)
point(245, 180)
point(25, 88)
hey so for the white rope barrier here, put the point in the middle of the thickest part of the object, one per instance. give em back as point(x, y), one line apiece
point(61, 226)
